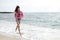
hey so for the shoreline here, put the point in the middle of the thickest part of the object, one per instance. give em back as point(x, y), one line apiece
point(5, 36)
point(30, 32)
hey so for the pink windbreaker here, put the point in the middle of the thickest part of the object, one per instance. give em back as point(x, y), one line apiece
point(21, 15)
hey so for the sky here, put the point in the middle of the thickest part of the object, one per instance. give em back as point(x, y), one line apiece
point(31, 5)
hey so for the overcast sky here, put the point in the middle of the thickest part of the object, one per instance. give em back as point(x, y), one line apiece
point(31, 5)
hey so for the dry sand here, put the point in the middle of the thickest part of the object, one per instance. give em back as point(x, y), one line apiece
point(5, 36)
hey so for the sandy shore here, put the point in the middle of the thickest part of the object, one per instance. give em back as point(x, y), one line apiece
point(5, 36)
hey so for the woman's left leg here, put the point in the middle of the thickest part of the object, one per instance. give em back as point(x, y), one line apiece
point(18, 27)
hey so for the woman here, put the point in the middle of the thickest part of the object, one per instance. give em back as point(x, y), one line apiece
point(18, 17)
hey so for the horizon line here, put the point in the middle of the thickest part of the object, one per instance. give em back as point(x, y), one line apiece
point(27, 12)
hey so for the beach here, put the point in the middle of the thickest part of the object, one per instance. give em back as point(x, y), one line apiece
point(5, 36)
point(29, 32)
point(41, 26)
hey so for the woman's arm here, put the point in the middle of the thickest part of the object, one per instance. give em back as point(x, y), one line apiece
point(21, 14)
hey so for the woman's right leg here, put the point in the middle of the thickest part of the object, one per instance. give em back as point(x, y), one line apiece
point(18, 26)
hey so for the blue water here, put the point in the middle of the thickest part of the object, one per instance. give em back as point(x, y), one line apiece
point(50, 20)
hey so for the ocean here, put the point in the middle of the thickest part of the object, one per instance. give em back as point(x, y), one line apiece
point(42, 19)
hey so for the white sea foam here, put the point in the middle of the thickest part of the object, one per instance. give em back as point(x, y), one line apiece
point(30, 32)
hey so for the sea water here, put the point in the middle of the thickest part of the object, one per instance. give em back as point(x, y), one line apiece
point(46, 19)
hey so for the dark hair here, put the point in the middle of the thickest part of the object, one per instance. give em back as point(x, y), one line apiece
point(16, 9)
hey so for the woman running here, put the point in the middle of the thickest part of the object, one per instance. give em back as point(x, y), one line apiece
point(18, 17)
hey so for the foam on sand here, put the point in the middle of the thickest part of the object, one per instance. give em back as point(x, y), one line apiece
point(30, 32)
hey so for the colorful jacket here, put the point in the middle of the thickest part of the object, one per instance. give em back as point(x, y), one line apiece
point(21, 15)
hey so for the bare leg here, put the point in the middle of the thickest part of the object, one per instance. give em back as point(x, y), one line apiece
point(19, 32)
point(19, 28)
point(16, 27)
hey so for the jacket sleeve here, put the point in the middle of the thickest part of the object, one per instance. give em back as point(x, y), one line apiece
point(21, 14)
